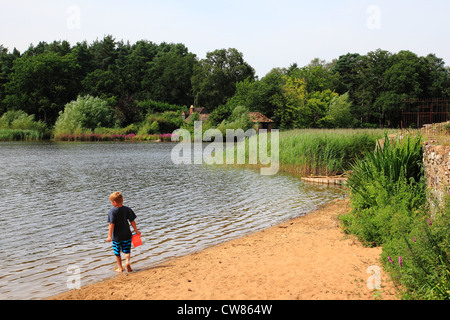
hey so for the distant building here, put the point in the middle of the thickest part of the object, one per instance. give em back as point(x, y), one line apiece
point(202, 112)
point(261, 121)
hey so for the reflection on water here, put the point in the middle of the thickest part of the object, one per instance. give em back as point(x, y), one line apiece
point(55, 204)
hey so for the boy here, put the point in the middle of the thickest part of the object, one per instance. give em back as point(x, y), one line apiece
point(119, 230)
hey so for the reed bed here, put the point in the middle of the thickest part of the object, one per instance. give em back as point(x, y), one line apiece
point(325, 152)
point(20, 135)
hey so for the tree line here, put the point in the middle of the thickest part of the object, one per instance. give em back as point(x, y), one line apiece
point(139, 79)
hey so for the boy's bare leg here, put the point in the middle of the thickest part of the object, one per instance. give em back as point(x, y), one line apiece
point(127, 262)
point(119, 264)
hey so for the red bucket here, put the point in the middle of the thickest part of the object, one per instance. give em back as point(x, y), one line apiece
point(136, 240)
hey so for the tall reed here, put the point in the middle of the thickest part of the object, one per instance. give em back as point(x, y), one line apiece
point(324, 152)
point(20, 134)
point(309, 152)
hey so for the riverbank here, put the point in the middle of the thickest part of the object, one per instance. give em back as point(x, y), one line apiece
point(307, 258)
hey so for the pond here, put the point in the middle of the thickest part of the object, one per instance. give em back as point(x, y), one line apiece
point(55, 205)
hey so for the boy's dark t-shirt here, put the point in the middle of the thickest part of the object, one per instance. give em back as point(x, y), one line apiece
point(120, 217)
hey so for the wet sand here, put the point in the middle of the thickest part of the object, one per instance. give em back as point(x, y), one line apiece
point(307, 258)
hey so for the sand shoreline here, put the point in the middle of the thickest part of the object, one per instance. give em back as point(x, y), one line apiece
point(307, 258)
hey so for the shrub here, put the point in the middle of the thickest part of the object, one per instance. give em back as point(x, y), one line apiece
point(237, 120)
point(83, 116)
point(419, 260)
point(386, 191)
point(166, 122)
point(391, 214)
point(151, 106)
point(387, 165)
point(21, 121)
point(17, 125)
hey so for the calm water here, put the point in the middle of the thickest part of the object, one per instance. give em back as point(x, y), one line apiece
point(55, 205)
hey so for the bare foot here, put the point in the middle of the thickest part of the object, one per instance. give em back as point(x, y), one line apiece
point(129, 268)
point(119, 270)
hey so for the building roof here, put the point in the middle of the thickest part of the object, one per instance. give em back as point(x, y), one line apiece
point(258, 117)
point(203, 114)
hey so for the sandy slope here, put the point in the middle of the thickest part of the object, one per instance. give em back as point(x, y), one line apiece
point(305, 258)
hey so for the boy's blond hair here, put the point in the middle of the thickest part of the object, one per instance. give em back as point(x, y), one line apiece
point(116, 197)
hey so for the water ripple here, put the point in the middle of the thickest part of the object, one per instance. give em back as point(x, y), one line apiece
point(56, 196)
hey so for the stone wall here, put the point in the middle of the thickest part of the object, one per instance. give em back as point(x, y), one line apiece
point(436, 160)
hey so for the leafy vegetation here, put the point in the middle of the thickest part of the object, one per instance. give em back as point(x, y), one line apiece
point(145, 79)
point(390, 209)
point(83, 115)
point(17, 125)
point(324, 152)
point(386, 187)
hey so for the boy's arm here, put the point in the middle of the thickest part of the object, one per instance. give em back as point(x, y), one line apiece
point(110, 232)
point(133, 224)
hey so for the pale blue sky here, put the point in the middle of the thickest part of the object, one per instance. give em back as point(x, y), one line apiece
point(269, 33)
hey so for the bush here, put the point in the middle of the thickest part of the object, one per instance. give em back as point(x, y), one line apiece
point(166, 122)
point(237, 120)
point(385, 167)
point(391, 214)
point(131, 129)
point(149, 128)
point(17, 125)
point(419, 260)
point(386, 191)
point(151, 106)
point(389, 208)
point(83, 116)
point(21, 121)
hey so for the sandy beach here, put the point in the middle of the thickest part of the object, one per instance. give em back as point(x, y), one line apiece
point(307, 258)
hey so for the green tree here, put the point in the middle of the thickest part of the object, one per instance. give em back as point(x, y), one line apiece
point(294, 113)
point(215, 77)
point(436, 82)
point(104, 52)
point(83, 57)
point(317, 106)
point(339, 113)
point(100, 83)
point(42, 84)
point(6, 65)
point(318, 75)
point(136, 67)
point(169, 74)
point(348, 67)
point(265, 95)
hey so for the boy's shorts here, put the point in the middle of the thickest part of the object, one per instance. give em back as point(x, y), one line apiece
point(124, 246)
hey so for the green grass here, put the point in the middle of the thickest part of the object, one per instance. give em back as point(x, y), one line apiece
point(20, 134)
point(321, 152)
point(325, 152)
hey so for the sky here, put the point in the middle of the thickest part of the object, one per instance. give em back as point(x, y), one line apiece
point(270, 34)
